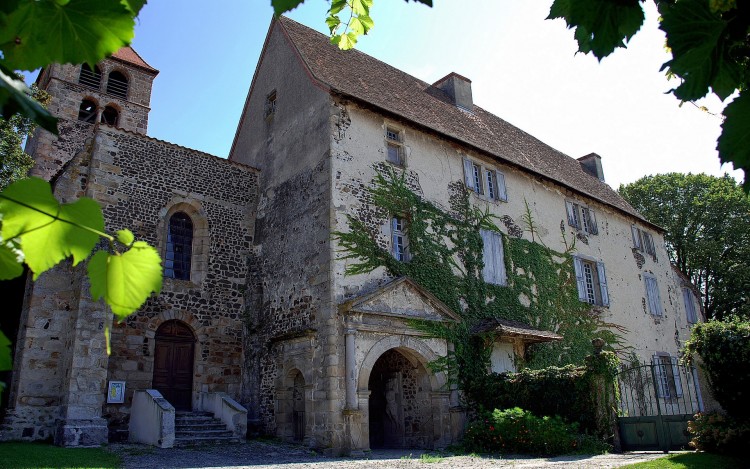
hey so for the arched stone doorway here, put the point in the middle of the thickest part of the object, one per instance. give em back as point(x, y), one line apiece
point(400, 403)
point(173, 363)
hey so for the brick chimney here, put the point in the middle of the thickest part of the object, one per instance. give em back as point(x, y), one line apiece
point(592, 164)
point(458, 88)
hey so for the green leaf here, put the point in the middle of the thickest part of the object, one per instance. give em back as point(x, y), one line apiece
point(366, 22)
point(134, 5)
point(42, 32)
point(356, 26)
point(695, 37)
point(6, 358)
point(425, 2)
point(15, 98)
point(48, 232)
point(336, 7)
point(125, 237)
point(125, 281)
point(734, 141)
point(601, 25)
point(282, 6)
point(10, 266)
point(361, 7)
point(345, 41)
point(333, 22)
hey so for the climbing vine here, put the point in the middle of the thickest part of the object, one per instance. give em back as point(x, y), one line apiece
point(446, 259)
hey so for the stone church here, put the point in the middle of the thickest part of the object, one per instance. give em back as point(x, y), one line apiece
point(258, 327)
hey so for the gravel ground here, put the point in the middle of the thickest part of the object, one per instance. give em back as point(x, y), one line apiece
point(264, 454)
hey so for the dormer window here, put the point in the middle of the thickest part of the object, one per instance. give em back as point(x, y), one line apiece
point(270, 108)
point(394, 146)
point(117, 85)
point(110, 116)
point(87, 111)
point(90, 78)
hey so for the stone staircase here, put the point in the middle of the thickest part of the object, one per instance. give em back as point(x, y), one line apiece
point(200, 428)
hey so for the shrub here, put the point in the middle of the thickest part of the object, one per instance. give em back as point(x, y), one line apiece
point(563, 391)
point(518, 431)
point(724, 347)
point(717, 433)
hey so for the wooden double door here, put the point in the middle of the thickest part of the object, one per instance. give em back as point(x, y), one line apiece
point(173, 363)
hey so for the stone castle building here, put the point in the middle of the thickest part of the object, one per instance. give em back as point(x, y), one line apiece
point(257, 313)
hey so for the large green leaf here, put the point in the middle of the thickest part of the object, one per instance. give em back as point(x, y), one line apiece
point(734, 142)
point(10, 267)
point(41, 32)
point(601, 25)
point(282, 6)
point(695, 36)
point(125, 280)
point(48, 232)
point(15, 97)
point(6, 359)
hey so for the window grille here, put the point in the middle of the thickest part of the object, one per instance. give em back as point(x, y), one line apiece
point(179, 247)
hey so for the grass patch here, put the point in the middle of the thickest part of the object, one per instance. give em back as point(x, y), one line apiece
point(428, 458)
point(690, 461)
point(17, 455)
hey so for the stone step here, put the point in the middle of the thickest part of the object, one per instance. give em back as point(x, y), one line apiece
point(203, 433)
point(198, 441)
point(200, 426)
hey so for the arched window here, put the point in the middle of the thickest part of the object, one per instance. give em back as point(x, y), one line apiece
point(179, 247)
point(117, 85)
point(87, 111)
point(90, 78)
point(110, 116)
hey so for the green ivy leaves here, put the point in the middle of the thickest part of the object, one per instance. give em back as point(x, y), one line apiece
point(38, 230)
point(359, 22)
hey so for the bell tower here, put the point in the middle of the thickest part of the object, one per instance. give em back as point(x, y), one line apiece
point(115, 92)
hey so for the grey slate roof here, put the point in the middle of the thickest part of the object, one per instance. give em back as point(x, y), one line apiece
point(508, 328)
point(359, 76)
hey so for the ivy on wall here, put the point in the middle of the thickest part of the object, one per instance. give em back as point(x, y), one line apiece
point(446, 259)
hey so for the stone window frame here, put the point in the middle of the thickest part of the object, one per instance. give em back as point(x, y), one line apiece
point(269, 108)
point(92, 117)
point(394, 140)
point(201, 238)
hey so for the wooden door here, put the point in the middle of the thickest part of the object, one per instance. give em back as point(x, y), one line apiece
point(173, 364)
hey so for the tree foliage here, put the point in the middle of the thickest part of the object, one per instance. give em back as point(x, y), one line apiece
point(14, 162)
point(724, 349)
point(707, 220)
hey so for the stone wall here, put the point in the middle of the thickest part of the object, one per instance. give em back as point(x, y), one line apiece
point(289, 296)
point(63, 368)
point(434, 169)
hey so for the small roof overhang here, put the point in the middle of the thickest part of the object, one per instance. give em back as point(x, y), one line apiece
point(504, 328)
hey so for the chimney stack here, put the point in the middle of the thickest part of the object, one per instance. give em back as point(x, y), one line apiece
point(458, 88)
point(592, 164)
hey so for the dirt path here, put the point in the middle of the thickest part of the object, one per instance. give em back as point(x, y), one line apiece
point(261, 455)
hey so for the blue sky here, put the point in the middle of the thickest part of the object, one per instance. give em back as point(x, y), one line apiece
point(523, 68)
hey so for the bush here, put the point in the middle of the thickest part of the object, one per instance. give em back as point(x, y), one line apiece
point(563, 391)
point(717, 433)
point(724, 347)
point(518, 431)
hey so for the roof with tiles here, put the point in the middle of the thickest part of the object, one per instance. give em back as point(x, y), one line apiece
point(366, 79)
point(129, 55)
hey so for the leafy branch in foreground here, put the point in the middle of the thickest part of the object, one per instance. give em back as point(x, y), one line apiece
point(38, 230)
point(710, 49)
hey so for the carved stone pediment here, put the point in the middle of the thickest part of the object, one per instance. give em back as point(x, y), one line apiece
point(401, 298)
